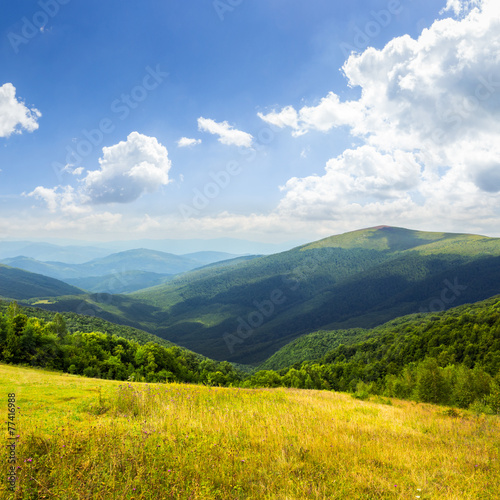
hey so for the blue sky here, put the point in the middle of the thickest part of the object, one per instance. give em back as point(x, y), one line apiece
point(249, 119)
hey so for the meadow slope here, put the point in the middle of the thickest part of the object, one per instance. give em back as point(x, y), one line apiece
point(96, 439)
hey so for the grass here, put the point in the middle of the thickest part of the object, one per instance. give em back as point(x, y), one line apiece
point(96, 439)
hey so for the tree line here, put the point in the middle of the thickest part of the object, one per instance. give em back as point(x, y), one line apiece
point(36, 342)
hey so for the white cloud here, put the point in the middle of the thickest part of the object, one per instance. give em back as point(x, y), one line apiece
point(329, 113)
point(227, 134)
point(62, 199)
point(429, 114)
point(460, 6)
point(14, 115)
point(361, 177)
point(185, 142)
point(127, 170)
point(287, 117)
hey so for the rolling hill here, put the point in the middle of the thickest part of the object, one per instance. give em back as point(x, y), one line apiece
point(247, 310)
point(116, 267)
point(358, 279)
point(127, 281)
point(22, 285)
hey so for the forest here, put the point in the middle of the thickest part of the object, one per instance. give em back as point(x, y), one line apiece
point(449, 358)
point(33, 341)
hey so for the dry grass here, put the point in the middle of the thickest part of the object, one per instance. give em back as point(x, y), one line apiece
point(139, 441)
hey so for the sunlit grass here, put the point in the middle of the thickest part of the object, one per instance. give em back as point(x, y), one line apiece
point(97, 439)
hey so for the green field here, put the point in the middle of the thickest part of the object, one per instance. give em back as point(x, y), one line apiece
point(82, 438)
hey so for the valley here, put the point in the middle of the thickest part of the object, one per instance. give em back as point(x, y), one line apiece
point(359, 279)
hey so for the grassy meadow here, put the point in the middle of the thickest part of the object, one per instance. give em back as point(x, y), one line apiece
point(82, 438)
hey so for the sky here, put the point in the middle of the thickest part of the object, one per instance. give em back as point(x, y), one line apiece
point(266, 120)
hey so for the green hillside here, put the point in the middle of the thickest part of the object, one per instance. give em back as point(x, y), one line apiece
point(124, 282)
point(246, 310)
point(358, 279)
point(450, 358)
point(21, 285)
point(37, 342)
point(312, 347)
point(81, 323)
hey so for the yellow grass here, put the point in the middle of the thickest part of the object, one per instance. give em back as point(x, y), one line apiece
point(192, 442)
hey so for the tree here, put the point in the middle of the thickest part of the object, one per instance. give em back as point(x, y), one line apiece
point(431, 384)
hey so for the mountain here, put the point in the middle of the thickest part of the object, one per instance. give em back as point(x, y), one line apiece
point(207, 257)
point(21, 285)
point(414, 336)
point(72, 254)
point(115, 267)
point(246, 310)
point(358, 279)
point(125, 282)
point(77, 252)
point(57, 270)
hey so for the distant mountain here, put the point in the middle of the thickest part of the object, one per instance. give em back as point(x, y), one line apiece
point(76, 252)
point(246, 310)
point(73, 254)
point(21, 285)
point(57, 270)
point(116, 267)
point(204, 258)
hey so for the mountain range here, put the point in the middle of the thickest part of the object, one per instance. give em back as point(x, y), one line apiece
point(120, 272)
point(18, 284)
point(244, 310)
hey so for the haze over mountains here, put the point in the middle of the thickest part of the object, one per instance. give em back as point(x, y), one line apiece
point(245, 309)
point(23, 285)
point(73, 252)
point(120, 272)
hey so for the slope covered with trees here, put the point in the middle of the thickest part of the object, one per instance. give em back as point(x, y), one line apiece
point(359, 279)
point(36, 342)
point(451, 357)
point(245, 311)
point(22, 285)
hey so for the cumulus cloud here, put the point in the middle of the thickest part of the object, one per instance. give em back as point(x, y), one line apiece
point(185, 142)
point(362, 176)
point(127, 170)
point(15, 116)
point(429, 115)
point(329, 113)
point(227, 134)
point(460, 6)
